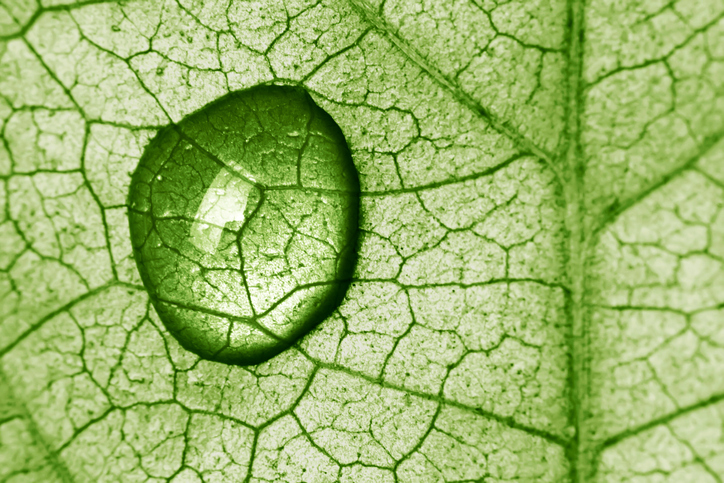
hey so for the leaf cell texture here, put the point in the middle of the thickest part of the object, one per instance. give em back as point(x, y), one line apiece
point(243, 219)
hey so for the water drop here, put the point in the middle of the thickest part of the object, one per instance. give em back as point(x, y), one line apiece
point(228, 206)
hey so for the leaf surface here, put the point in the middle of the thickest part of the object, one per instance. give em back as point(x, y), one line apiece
point(539, 289)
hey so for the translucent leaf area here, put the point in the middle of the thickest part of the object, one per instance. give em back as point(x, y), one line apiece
point(538, 294)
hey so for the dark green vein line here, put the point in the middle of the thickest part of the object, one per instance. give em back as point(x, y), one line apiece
point(629, 433)
point(361, 7)
point(37, 325)
point(509, 422)
point(447, 182)
point(578, 452)
point(53, 8)
point(687, 164)
point(60, 469)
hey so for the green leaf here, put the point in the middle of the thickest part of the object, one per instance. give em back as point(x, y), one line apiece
point(539, 292)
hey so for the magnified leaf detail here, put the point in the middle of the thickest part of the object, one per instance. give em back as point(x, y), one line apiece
point(243, 219)
point(539, 282)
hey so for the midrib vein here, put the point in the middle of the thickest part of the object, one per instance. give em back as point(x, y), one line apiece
point(580, 452)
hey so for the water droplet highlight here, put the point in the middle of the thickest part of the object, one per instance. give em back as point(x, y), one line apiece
point(243, 220)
